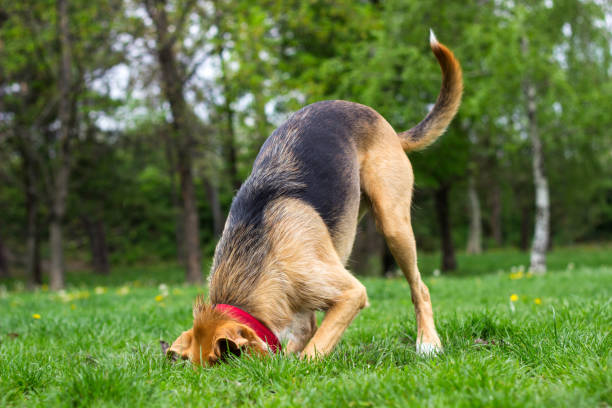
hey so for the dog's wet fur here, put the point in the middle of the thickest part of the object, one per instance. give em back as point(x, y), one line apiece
point(292, 224)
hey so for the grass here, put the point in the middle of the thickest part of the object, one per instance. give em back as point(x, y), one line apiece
point(99, 346)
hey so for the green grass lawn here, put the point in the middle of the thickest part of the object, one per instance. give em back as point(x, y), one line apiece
point(99, 346)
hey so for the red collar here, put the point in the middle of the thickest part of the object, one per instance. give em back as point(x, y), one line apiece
point(258, 327)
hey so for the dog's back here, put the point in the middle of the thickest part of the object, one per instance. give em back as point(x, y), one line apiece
point(311, 157)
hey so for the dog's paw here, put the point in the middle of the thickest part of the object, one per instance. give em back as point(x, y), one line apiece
point(428, 349)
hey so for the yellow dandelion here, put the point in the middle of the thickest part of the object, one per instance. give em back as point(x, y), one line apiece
point(36, 316)
point(517, 275)
point(44, 287)
point(514, 297)
point(159, 298)
point(73, 307)
point(537, 301)
point(84, 294)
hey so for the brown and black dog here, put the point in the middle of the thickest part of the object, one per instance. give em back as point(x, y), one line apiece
point(292, 224)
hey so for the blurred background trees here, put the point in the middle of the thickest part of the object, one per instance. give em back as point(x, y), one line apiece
point(127, 126)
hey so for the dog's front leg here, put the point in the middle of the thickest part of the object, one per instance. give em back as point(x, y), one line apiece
point(337, 318)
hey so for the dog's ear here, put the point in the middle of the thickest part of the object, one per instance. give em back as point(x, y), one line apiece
point(181, 346)
point(235, 338)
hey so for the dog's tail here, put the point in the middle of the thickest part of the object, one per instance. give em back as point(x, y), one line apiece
point(436, 121)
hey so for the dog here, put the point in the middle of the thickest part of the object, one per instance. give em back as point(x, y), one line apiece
point(292, 224)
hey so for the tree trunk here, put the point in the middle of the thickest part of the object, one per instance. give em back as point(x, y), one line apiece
point(179, 232)
point(97, 244)
point(175, 199)
point(191, 226)
point(542, 216)
point(261, 120)
point(539, 245)
point(62, 171)
point(368, 250)
point(229, 141)
point(37, 271)
point(389, 264)
point(474, 245)
point(524, 238)
point(496, 211)
point(32, 251)
point(4, 269)
point(230, 146)
point(449, 262)
point(32, 259)
point(182, 122)
point(56, 264)
point(215, 205)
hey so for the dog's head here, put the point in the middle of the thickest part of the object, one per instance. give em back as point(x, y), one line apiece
point(213, 337)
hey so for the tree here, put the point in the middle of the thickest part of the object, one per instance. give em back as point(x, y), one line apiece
point(544, 31)
point(95, 190)
point(474, 245)
point(173, 78)
point(49, 70)
point(542, 220)
point(368, 254)
point(4, 269)
point(61, 173)
point(27, 105)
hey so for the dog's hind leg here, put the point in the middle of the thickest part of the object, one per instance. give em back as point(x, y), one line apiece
point(301, 330)
point(387, 179)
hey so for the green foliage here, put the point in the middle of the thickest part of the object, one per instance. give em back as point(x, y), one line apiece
point(268, 59)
